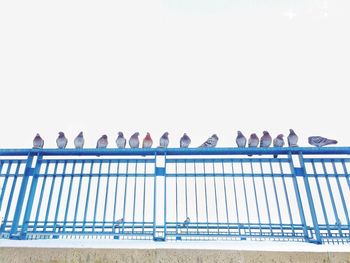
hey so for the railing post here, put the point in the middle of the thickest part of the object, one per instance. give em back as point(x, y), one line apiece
point(20, 202)
point(26, 218)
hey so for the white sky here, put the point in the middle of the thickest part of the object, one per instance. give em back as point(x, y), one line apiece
point(180, 66)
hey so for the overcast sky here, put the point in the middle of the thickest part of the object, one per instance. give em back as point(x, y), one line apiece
point(199, 67)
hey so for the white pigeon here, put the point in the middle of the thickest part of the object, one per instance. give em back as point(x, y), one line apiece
point(79, 141)
point(185, 141)
point(292, 139)
point(210, 142)
point(61, 140)
point(278, 142)
point(38, 142)
point(320, 141)
point(164, 140)
point(121, 141)
point(134, 141)
point(265, 140)
point(102, 142)
point(241, 140)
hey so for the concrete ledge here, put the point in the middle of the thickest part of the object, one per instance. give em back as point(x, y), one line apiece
point(58, 255)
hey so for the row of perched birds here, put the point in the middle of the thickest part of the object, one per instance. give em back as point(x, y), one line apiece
point(241, 141)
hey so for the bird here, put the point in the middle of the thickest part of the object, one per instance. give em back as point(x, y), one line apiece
point(121, 141)
point(265, 140)
point(186, 222)
point(119, 222)
point(147, 141)
point(185, 141)
point(134, 141)
point(164, 140)
point(210, 142)
point(253, 141)
point(102, 142)
point(292, 139)
point(320, 141)
point(61, 141)
point(241, 140)
point(278, 142)
point(79, 141)
point(38, 142)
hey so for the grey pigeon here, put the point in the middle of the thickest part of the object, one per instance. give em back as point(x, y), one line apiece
point(134, 141)
point(61, 141)
point(119, 222)
point(121, 141)
point(38, 142)
point(265, 140)
point(241, 140)
point(210, 142)
point(320, 141)
point(278, 142)
point(187, 222)
point(164, 140)
point(292, 139)
point(79, 141)
point(253, 141)
point(102, 142)
point(185, 141)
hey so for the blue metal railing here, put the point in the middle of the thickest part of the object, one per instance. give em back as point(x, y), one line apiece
point(176, 194)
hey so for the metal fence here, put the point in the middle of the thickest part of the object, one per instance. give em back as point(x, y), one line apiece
point(176, 194)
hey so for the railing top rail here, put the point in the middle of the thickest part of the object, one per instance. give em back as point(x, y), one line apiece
point(176, 151)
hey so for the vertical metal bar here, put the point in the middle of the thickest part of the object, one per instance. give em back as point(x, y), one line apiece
point(5, 182)
point(332, 199)
point(21, 195)
point(176, 199)
point(235, 194)
point(186, 189)
point(266, 199)
point(144, 196)
point(276, 197)
point(4, 221)
point(224, 179)
point(125, 193)
point(216, 199)
point(246, 200)
point(155, 199)
point(310, 200)
point(116, 194)
point(78, 196)
point(348, 180)
point(88, 195)
point(256, 197)
point(58, 206)
point(50, 197)
point(165, 191)
point(106, 196)
point(97, 196)
point(206, 198)
point(134, 203)
point(195, 191)
point(68, 198)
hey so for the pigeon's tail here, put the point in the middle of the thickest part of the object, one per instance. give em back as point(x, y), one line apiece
point(332, 141)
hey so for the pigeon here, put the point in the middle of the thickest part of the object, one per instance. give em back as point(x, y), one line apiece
point(164, 140)
point(320, 141)
point(38, 142)
point(147, 141)
point(210, 142)
point(253, 141)
point(241, 140)
point(134, 141)
point(119, 222)
point(292, 139)
point(185, 141)
point(278, 142)
point(61, 141)
point(79, 141)
point(265, 140)
point(121, 141)
point(187, 222)
point(102, 142)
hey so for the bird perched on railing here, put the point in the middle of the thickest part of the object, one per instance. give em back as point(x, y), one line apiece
point(164, 140)
point(147, 141)
point(102, 142)
point(253, 141)
point(320, 141)
point(210, 142)
point(292, 139)
point(278, 142)
point(265, 140)
point(61, 140)
point(38, 142)
point(119, 222)
point(186, 222)
point(121, 141)
point(185, 141)
point(79, 141)
point(134, 141)
point(241, 140)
